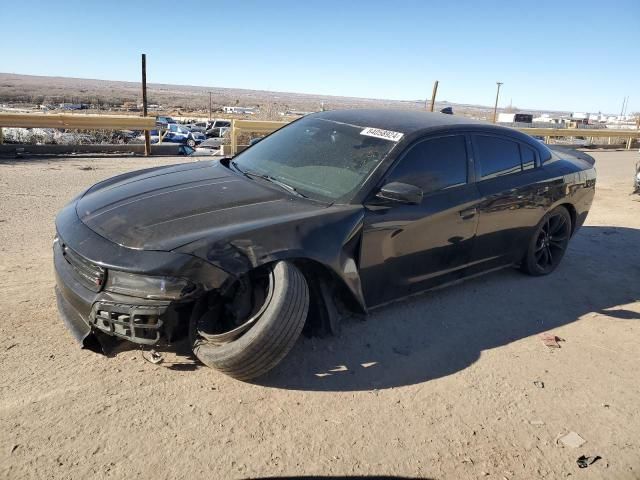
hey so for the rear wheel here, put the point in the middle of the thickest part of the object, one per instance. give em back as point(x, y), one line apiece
point(548, 243)
point(191, 143)
point(253, 331)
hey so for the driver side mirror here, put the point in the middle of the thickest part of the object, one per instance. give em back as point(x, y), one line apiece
point(400, 193)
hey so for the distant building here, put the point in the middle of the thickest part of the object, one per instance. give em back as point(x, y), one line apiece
point(597, 118)
point(515, 118)
point(546, 118)
point(579, 118)
point(239, 110)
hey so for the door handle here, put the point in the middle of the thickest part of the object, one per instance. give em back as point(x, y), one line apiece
point(468, 213)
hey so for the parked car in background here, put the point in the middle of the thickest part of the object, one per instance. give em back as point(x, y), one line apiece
point(331, 215)
point(211, 146)
point(175, 133)
point(198, 126)
point(163, 121)
point(218, 128)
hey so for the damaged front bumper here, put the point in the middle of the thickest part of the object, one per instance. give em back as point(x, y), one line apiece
point(91, 315)
point(95, 316)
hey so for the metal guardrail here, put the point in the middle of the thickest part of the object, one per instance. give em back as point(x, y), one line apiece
point(124, 122)
point(580, 132)
point(75, 121)
point(629, 135)
point(251, 126)
point(257, 126)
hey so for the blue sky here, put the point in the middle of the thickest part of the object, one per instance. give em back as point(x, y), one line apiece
point(565, 55)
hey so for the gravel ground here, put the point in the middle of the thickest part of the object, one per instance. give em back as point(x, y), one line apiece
point(438, 386)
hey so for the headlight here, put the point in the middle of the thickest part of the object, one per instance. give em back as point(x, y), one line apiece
point(158, 288)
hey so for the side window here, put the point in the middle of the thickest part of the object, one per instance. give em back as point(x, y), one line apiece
point(497, 156)
point(528, 157)
point(434, 164)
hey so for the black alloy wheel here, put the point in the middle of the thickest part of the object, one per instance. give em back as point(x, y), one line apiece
point(549, 243)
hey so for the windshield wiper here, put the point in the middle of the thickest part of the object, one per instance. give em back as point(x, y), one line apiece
point(269, 178)
point(234, 164)
point(286, 186)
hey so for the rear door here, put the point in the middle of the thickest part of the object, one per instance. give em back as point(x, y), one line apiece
point(506, 172)
point(409, 248)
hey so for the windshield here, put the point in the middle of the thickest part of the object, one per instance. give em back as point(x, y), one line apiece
point(319, 158)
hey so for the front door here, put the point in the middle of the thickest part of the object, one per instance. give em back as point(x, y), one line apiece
point(410, 248)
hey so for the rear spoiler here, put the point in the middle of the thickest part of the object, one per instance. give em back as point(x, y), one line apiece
point(563, 151)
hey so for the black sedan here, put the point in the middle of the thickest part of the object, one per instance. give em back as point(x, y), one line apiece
point(335, 213)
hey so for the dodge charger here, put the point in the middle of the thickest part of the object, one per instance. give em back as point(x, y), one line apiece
point(332, 215)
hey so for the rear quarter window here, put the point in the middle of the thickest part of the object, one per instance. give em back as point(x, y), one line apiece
point(528, 157)
point(497, 156)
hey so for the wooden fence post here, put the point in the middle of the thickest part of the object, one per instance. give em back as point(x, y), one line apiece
point(147, 138)
point(234, 138)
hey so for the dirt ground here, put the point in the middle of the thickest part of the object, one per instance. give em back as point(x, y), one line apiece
point(438, 386)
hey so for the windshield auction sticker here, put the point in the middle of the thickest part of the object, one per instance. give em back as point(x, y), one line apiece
point(384, 134)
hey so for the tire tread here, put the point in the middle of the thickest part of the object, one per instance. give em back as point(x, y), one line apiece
point(257, 352)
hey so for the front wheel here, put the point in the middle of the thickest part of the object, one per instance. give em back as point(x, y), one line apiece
point(548, 243)
point(250, 346)
point(191, 143)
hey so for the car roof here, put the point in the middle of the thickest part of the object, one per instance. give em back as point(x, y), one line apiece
point(414, 123)
point(404, 121)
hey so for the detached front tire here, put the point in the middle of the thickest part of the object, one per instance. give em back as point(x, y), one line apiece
point(268, 335)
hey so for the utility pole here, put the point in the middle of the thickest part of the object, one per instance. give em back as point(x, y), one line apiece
point(626, 105)
point(209, 106)
point(433, 95)
point(495, 107)
point(147, 138)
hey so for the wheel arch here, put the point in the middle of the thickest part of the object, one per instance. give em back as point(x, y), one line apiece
point(570, 207)
point(572, 213)
point(331, 296)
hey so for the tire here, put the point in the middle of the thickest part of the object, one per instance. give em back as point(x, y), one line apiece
point(548, 243)
point(191, 143)
point(272, 335)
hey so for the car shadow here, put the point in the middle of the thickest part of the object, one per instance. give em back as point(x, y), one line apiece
point(339, 477)
point(178, 357)
point(444, 331)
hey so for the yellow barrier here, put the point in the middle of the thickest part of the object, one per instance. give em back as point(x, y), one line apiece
point(77, 121)
point(117, 122)
point(258, 126)
point(251, 126)
point(583, 132)
point(580, 132)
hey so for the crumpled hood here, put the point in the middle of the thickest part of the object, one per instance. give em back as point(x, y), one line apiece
point(167, 207)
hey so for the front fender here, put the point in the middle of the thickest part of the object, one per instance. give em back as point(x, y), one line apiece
point(331, 238)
